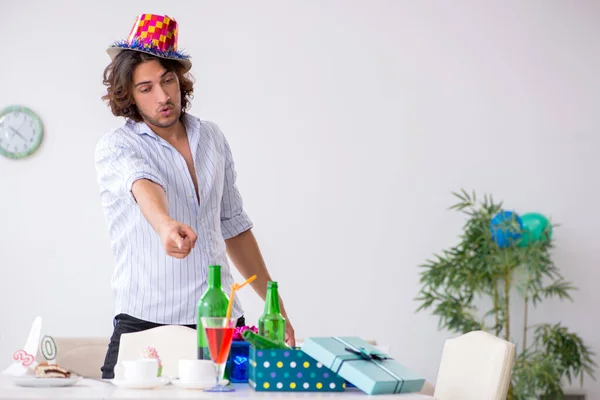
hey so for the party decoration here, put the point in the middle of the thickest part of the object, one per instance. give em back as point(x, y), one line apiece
point(506, 228)
point(31, 347)
point(239, 331)
point(48, 348)
point(23, 356)
point(536, 227)
point(153, 34)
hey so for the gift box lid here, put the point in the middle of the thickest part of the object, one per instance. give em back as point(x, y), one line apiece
point(363, 365)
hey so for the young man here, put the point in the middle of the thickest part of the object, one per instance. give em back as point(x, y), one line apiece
point(168, 191)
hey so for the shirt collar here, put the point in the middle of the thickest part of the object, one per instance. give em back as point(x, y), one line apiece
point(191, 123)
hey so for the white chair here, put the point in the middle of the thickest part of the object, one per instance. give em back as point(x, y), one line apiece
point(172, 343)
point(427, 389)
point(475, 366)
point(82, 355)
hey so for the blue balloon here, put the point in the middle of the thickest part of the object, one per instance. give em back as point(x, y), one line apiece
point(506, 228)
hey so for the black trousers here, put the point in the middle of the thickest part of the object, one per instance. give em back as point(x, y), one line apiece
point(124, 323)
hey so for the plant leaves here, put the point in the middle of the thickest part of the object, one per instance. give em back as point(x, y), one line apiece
point(454, 280)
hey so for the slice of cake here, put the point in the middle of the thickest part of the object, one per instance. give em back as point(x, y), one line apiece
point(45, 370)
point(150, 352)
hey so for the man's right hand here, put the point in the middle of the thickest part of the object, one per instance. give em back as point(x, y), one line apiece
point(177, 239)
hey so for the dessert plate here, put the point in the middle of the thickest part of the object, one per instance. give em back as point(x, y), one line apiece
point(33, 381)
point(147, 384)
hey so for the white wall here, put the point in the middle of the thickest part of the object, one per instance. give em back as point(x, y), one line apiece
point(350, 123)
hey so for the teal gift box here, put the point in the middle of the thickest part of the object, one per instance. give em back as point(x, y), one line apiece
point(290, 370)
point(363, 365)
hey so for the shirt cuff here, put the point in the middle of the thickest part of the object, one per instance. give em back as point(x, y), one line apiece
point(235, 225)
point(142, 175)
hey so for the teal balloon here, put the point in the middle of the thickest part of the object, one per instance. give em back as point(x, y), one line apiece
point(536, 227)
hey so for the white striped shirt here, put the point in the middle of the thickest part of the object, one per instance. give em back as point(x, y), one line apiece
point(148, 284)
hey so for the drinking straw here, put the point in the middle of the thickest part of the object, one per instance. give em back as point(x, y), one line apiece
point(235, 287)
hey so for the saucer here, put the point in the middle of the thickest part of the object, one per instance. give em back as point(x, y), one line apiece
point(146, 384)
point(33, 381)
point(197, 385)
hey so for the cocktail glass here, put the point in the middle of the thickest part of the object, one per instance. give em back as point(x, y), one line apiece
point(219, 334)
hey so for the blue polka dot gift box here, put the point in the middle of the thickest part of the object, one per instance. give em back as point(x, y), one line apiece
point(290, 370)
point(363, 365)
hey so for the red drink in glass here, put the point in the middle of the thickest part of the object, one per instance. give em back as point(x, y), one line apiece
point(219, 343)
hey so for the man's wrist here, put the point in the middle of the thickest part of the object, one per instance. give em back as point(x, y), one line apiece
point(282, 309)
point(162, 222)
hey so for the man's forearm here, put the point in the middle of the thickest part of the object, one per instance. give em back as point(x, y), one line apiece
point(245, 254)
point(177, 238)
point(152, 200)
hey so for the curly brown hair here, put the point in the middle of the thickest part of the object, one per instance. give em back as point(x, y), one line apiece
point(118, 78)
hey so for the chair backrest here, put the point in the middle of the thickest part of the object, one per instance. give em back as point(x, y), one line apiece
point(172, 343)
point(82, 355)
point(475, 366)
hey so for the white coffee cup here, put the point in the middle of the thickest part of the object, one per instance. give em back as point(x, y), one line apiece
point(141, 370)
point(196, 371)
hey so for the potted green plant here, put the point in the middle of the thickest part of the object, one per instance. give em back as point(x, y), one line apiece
point(498, 257)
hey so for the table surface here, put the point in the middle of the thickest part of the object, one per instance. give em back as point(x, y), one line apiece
point(98, 389)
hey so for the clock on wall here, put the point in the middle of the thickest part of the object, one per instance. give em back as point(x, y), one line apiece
point(21, 132)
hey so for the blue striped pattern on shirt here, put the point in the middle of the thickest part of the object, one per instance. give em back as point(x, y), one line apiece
point(148, 284)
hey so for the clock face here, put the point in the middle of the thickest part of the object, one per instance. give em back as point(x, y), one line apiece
point(21, 132)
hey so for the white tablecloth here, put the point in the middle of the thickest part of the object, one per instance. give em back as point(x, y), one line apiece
point(94, 389)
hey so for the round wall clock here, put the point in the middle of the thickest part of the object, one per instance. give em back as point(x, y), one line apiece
point(21, 132)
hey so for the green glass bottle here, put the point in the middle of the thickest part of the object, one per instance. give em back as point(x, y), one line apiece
point(272, 324)
point(212, 304)
point(261, 342)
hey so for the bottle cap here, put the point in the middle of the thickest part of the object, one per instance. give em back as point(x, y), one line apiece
point(271, 284)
